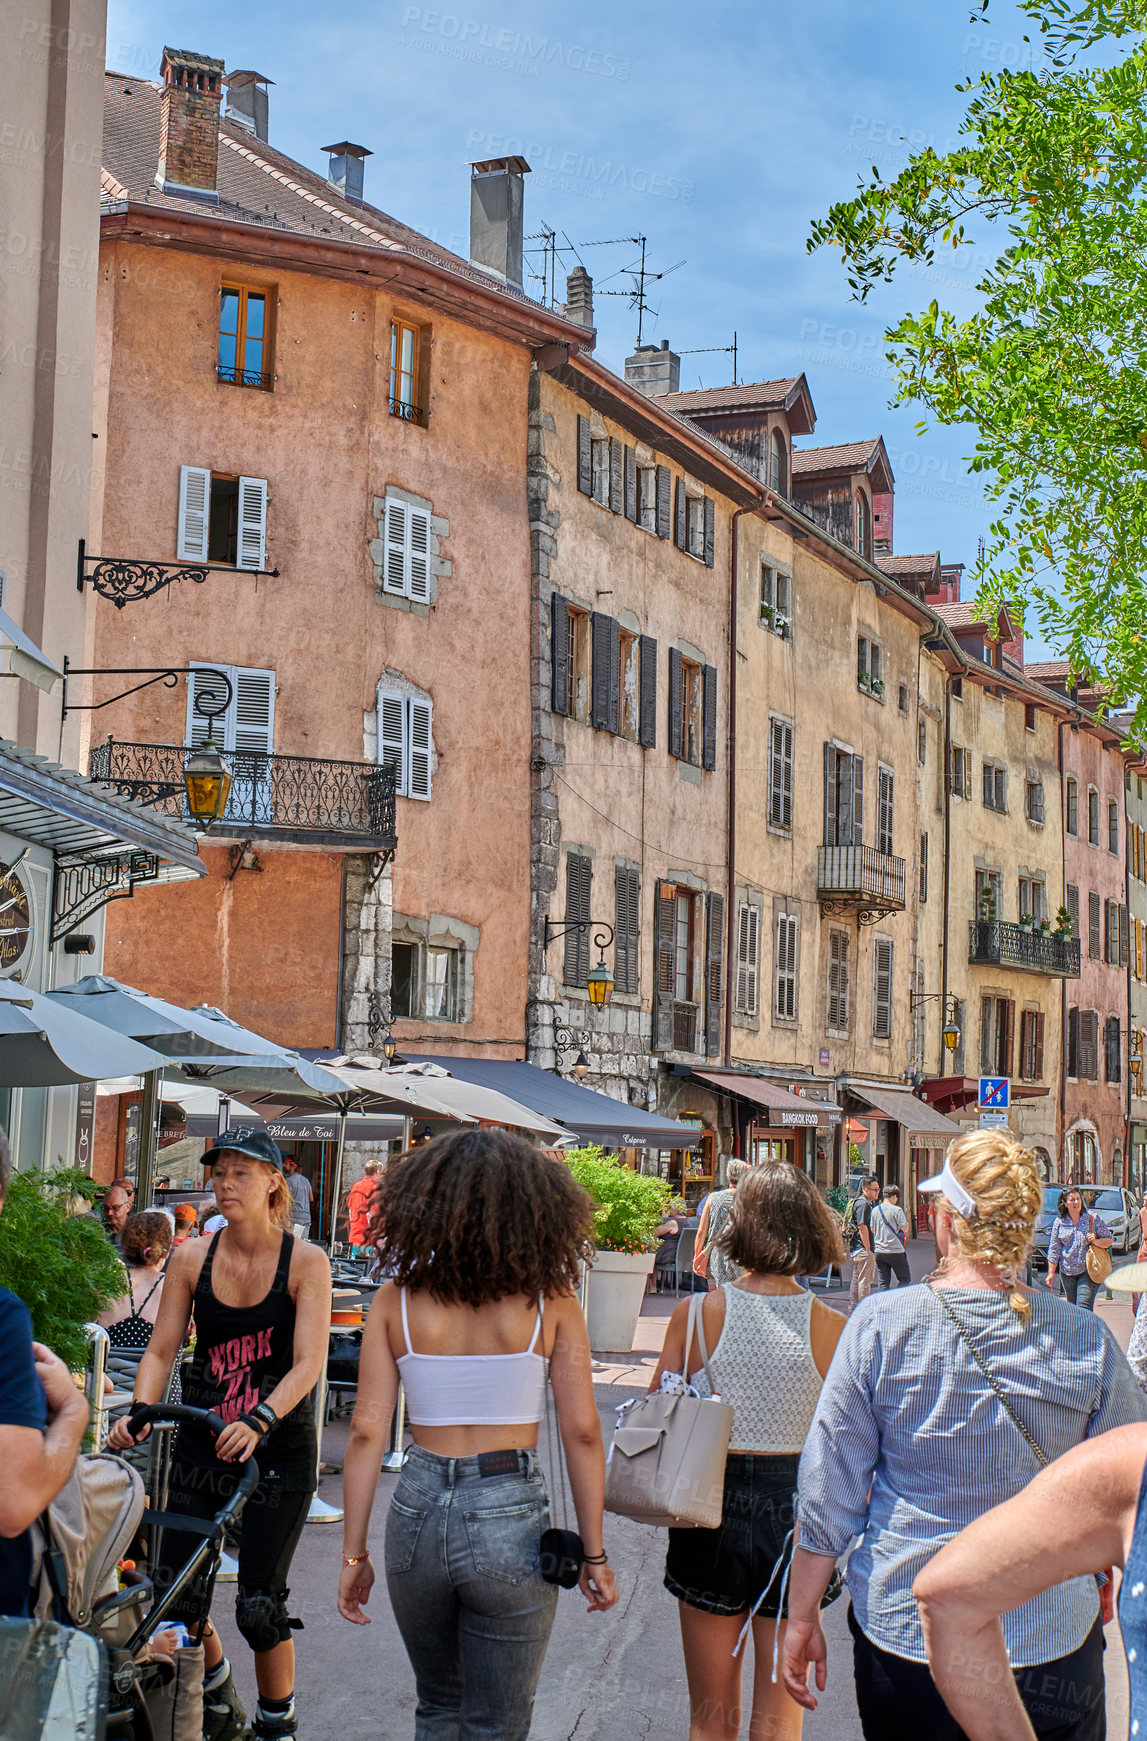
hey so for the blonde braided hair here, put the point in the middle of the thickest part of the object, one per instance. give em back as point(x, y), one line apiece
point(1002, 1176)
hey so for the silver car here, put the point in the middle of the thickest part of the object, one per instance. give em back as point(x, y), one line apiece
point(1114, 1205)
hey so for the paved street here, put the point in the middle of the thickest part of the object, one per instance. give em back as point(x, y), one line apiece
point(608, 1678)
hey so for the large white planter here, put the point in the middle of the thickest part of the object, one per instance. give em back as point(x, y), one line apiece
point(615, 1287)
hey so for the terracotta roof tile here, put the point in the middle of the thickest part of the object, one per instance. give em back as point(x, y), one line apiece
point(821, 459)
point(733, 398)
point(898, 565)
point(1043, 670)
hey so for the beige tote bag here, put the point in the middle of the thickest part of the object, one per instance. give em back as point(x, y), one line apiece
point(666, 1464)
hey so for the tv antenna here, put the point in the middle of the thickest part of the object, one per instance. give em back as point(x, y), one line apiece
point(716, 351)
point(639, 275)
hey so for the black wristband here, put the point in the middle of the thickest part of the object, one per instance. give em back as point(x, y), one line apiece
point(251, 1419)
point(262, 1416)
point(596, 1559)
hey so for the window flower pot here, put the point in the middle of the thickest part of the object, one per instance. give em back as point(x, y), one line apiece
point(615, 1288)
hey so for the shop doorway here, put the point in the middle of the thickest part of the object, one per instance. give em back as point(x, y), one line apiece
point(766, 1144)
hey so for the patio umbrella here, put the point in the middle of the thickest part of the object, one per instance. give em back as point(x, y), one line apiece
point(44, 1045)
point(176, 1032)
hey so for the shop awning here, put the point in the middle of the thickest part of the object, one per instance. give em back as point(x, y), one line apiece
point(953, 1093)
point(928, 1128)
point(783, 1106)
point(595, 1118)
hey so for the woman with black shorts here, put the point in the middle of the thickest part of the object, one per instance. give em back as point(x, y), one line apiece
point(771, 1344)
point(261, 1301)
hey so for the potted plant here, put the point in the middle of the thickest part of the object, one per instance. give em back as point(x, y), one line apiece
point(628, 1208)
point(1026, 921)
point(876, 687)
point(781, 627)
point(767, 614)
point(864, 681)
point(1063, 922)
point(1044, 927)
point(57, 1258)
point(987, 906)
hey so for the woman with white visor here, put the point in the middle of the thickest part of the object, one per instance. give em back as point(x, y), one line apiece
point(941, 1402)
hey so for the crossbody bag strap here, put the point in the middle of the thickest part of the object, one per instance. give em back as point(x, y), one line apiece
point(690, 1326)
point(700, 1299)
point(938, 1294)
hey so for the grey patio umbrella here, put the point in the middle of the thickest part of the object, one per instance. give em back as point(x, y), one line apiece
point(176, 1032)
point(45, 1045)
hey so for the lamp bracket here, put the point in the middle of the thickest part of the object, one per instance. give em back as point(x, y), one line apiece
point(125, 579)
point(84, 885)
point(951, 1002)
point(378, 1019)
point(210, 699)
point(602, 932)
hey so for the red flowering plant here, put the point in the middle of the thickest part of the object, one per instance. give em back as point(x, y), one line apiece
point(628, 1206)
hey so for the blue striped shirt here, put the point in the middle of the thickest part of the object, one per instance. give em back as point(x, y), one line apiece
point(906, 1412)
point(1067, 1248)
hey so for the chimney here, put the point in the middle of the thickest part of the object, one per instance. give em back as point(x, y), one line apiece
point(882, 524)
point(345, 170)
point(247, 101)
point(496, 202)
point(189, 125)
point(654, 370)
point(579, 298)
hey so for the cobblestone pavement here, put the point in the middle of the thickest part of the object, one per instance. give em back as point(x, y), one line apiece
point(606, 1678)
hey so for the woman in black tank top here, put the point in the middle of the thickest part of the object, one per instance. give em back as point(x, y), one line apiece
point(261, 1301)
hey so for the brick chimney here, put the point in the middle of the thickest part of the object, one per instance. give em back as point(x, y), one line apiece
point(189, 125)
point(579, 298)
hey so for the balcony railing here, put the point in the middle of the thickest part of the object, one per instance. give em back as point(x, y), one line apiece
point(685, 1027)
point(234, 376)
point(859, 878)
point(996, 943)
point(300, 798)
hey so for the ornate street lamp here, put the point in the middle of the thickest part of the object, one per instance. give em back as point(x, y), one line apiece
point(207, 779)
point(599, 981)
point(951, 1029)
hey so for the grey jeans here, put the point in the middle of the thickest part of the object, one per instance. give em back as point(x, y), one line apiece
point(471, 1605)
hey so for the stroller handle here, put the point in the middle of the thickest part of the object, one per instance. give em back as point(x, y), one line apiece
point(152, 1413)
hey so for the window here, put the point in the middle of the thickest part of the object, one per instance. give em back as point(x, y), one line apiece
point(579, 880)
point(403, 979)
point(989, 895)
point(923, 866)
point(785, 968)
point(780, 773)
point(627, 928)
point(1071, 822)
point(602, 674)
point(684, 947)
point(695, 526)
point(599, 475)
point(1033, 800)
point(1112, 1050)
point(1032, 898)
point(1031, 1046)
point(1112, 826)
point(922, 742)
point(409, 372)
point(957, 689)
point(406, 569)
point(748, 958)
point(884, 780)
point(904, 698)
point(1029, 716)
point(863, 525)
point(995, 786)
point(243, 356)
point(1092, 816)
point(221, 519)
point(882, 988)
point(838, 982)
point(442, 985)
point(870, 666)
point(843, 797)
point(778, 467)
point(647, 498)
point(629, 713)
point(404, 738)
point(578, 694)
point(1116, 940)
point(694, 523)
point(997, 1031)
point(1093, 925)
point(692, 711)
point(776, 600)
point(677, 939)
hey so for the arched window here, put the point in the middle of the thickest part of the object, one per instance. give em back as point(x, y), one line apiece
point(863, 525)
point(778, 468)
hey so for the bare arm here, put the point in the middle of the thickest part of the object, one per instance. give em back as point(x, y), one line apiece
point(370, 1427)
point(1077, 1517)
point(673, 1347)
point(571, 1379)
point(166, 1339)
point(805, 1646)
point(36, 1465)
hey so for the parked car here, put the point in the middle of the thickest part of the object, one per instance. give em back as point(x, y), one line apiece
point(1116, 1206)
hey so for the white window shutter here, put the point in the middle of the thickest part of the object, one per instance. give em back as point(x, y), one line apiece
point(419, 554)
point(394, 572)
point(254, 707)
point(252, 523)
point(392, 735)
point(194, 501)
point(420, 713)
point(202, 681)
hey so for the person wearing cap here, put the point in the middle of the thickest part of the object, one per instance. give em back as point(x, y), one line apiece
point(186, 1222)
point(941, 1402)
point(262, 1305)
point(302, 1197)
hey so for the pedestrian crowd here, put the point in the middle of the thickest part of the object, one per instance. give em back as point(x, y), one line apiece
point(966, 1458)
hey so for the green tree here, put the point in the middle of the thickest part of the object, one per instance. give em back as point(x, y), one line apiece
point(58, 1261)
point(1051, 368)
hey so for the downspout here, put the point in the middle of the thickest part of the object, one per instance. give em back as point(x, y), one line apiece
point(947, 778)
point(1061, 1133)
point(731, 907)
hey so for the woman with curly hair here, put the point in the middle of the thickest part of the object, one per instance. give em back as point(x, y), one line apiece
point(942, 1402)
point(481, 1235)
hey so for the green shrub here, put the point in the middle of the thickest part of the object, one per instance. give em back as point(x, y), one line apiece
point(629, 1206)
point(836, 1196)
point(59, 1263)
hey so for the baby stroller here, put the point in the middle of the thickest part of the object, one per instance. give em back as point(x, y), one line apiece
point(87, 1531)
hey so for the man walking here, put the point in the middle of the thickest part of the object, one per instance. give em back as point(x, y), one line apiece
point(862, 1252)
point(889, 1232)
point(302, 1196)
point(359, 1202)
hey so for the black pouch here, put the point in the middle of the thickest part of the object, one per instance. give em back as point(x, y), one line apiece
point(562, 1557)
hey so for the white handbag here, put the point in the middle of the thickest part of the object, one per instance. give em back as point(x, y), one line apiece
point(666, 1464)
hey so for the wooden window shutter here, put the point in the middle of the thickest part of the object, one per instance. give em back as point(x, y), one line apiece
point(422, 380)
point(200, 681)
point(584, 457)
point(614, 675)
point(1093, 925)
point(252, 523)
point(714, 971)
point(419, 755)
point(254, 705)
point(627, 926)
point(786, 775)
point(647, 730)
point(560, 653)
point(664, 928)
point(709, 701)
point(194, 503)
point(882, 988)
point(1124, 937)
point(785, 968)
point(987, 1036)
point(776, 775)
point(857, 800)
point(418, 554)
point(710, 524)
point(838, 985)
point(1038, 1070)
point(664, 504)
point(616, 475)
point(830, 754)
point(1109, 954)
point(846, 770)
point(602, 643)
point(1026, 1042)
point(1008, 1037)
point(748, 942)
point(680, 516)
point(394, 566)
point(631, 484)
point(1138, 950)
point(579, 875)
point(676, 703)
point(392, 737)
point(1073, 1041)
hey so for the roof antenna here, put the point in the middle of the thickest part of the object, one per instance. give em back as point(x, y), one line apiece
point(640, 275)
point(712, 351)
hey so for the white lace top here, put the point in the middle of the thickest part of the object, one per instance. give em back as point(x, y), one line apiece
point(763, 1365)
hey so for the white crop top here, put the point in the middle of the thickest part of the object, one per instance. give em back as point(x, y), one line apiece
point(763, 1365)
point(473, 1390)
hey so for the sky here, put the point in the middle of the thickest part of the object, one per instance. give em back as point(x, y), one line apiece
point(718, 132)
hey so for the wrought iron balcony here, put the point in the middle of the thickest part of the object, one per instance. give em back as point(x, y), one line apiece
point(234, 376)
point(996, 943)
point(860, 880)
point(299, 798)
point(409, 411)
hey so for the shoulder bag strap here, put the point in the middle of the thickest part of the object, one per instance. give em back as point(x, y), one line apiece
point(939, 1295)
point(698, 1301)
